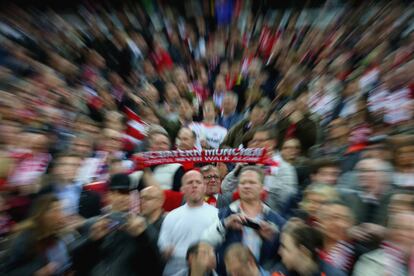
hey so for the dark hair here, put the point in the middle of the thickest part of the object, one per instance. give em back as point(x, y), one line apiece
point(270, 131)
point(193, 249)
point(317, 164)
point(241, 252)
point(308, 237)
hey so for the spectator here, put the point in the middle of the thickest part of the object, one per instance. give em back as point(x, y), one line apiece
point(325, 171)
point(168, 176)
point(212, 181)
point(186, 139)
point(229, 116)
point(299, 253)
point(184, 225)
point(151, 200)
point(200, 260)
point(239, 260)
point(404, 160)
point(247, 126)
point(112, 241)
point(290, 151)
point(75, 201)
point(39, 247)
point(209, 134)
point(335, 221)
point(232, 223)
point(394, 255)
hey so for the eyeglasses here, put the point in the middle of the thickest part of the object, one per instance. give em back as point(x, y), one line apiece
point(209, 177)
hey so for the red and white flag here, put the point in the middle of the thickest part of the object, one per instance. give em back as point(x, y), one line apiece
point(136, 129)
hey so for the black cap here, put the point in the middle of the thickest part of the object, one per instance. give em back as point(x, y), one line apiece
point(119, 181)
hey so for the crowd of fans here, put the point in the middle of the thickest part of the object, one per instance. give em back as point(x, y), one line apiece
point(329, 95)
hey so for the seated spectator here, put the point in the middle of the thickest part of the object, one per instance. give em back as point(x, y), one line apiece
point(201, 260)
point(393, 257)
point(184, 225)
point(299, 251)
point(239, 260)
point(232, 224)
point(229, 116)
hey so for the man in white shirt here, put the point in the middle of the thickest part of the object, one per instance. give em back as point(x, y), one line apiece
point(209, 134)
point(183, 226)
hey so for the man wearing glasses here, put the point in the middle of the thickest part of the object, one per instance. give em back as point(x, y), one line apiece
point(212, 180)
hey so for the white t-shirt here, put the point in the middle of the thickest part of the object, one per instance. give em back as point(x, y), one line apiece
point(181, 228)
point(213, 134)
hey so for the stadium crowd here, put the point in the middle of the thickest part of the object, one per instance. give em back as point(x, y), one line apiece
point(328, 93)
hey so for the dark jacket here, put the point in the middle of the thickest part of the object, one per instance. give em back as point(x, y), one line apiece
point(223, 238)
point(306, 132)
point(118, 253)
point(324, 270)
point(238, 134)
point(229, 121)
point(26, 257)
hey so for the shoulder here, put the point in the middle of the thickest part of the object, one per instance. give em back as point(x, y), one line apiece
point(376, 256)
point(274, 217)
point(210, 209)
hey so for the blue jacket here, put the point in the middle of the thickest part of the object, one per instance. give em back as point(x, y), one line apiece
point(222, 238)
point(229, 121)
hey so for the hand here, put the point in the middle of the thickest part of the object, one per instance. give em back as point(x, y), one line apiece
point(234, 222)
point(267, 230)
point(136, 226)
point(47, 270)
point(99, 230)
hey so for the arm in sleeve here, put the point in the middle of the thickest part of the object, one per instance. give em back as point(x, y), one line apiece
point(215, 234)
point(164, 239)
point(149, 252)
point(230, 182)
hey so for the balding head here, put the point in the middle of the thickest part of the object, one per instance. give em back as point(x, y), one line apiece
point(193, 188)
point(151, 199)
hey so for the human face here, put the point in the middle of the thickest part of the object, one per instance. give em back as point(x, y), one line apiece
point(67, 168)
point(371, 177)
point(209, 112)
point(401, 231)
point(235, 267)
point(193, 188)
point(151, 200)
point(327, 175)
point(228, 105)
point(159, 142)
point(186, 139)
point(113, 141)
point(289, 252)
point(119, 200)
point(405, 156)
point(314, 203)
point(185, 110)
point(53, 219)
point(171, 92)
point(204, 257)
point(258, 116)
point(82, 147)
point(250, 186)
point(262, 140)
point(335, 221)
point(290, 150)
point(212, 181)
